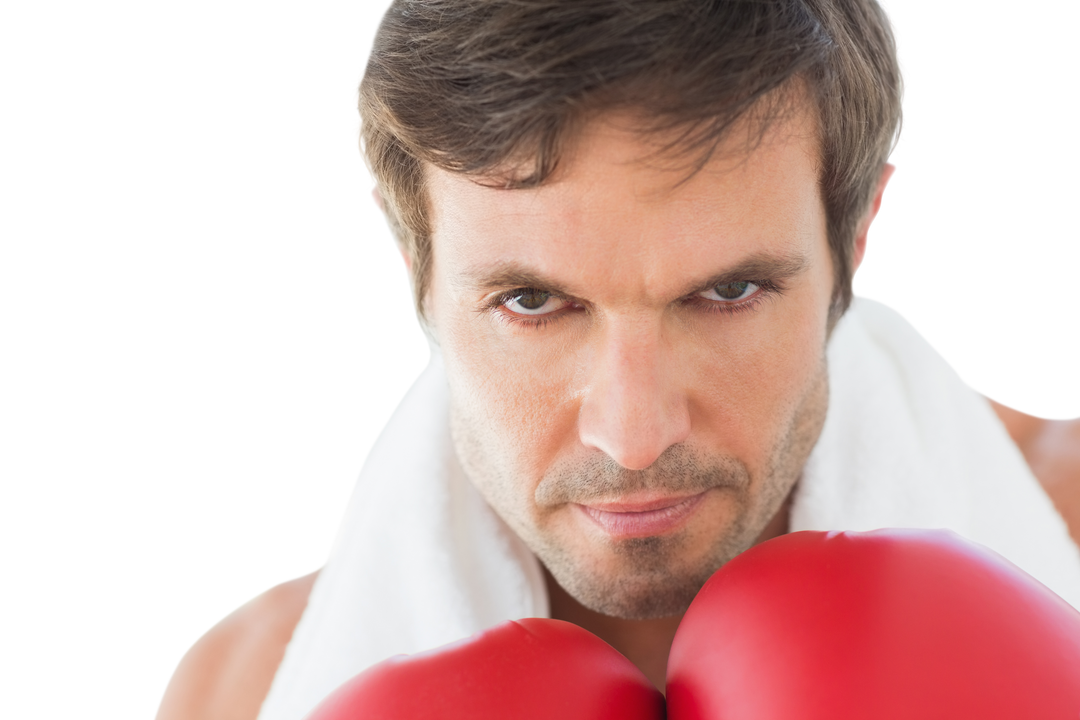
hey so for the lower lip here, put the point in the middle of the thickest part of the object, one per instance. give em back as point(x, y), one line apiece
point(645, 523)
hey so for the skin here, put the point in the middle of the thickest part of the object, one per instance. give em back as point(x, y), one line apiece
point(634, 383)
point(637, 383)
point(1052, 451)
point(227, 673)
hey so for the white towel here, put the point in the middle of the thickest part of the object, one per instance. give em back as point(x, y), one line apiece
point(421, 560)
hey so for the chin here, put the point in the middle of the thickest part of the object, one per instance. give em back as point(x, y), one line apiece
point(641, 578)
point(638, 597)
point(672, 602)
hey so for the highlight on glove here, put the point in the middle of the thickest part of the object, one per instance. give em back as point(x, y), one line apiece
point(888, 624)
point(883, 624)
point(531, 669)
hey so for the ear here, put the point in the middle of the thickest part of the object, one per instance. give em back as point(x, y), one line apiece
point(380, 206)
point(871, 213)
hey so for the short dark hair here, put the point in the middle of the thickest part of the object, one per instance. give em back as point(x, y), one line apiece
point(476, 86)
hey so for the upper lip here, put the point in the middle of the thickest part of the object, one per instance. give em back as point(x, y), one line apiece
point(640, 504)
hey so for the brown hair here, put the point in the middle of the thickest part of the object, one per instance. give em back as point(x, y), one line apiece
point(476, 86)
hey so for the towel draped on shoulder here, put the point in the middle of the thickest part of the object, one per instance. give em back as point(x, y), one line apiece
point(421, 559)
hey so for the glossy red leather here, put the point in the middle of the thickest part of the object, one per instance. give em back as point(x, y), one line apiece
point(882, 625)
point(531, 669)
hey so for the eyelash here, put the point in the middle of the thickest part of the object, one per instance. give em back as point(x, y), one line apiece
point(536, 322)
point(766, 290)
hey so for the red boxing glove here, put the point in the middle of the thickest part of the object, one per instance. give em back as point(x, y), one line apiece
point(531, 669)
point(887, 624)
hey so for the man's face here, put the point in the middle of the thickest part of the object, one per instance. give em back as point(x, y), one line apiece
point(636, 359)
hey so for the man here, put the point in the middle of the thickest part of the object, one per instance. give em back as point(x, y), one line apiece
point(631, 227)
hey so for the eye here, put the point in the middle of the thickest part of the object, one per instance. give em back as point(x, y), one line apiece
point(533, 302)
point(732, 292)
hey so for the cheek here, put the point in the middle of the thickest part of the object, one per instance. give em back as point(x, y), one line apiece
point(513, 397)
point(749, 382)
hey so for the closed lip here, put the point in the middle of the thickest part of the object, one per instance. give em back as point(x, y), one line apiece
point(641, 517)
point(639, 504)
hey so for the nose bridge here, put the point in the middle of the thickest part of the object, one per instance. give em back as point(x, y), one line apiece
point(632, 352)
point(635, 407)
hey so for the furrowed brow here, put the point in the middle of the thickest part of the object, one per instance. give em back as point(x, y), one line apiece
point(760, 267)
point(757, 268)
point(508, 275)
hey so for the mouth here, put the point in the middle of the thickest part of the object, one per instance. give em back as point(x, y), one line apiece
point(646, 517)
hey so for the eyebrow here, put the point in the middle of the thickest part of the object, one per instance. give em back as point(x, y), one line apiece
point(756, 267)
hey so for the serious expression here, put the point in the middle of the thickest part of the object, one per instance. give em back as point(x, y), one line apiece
point(636, 353)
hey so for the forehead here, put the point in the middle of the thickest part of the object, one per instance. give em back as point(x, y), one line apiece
point(618, 209)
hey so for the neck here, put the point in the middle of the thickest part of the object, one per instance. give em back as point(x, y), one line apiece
point(645, 643)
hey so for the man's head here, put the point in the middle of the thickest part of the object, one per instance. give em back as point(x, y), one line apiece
point(495, 89)
point(624, 223)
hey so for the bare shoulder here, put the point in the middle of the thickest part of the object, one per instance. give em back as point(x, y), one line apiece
point(1052, 450)
point(1023, 425)
point(228, 672)
point(1051, 447)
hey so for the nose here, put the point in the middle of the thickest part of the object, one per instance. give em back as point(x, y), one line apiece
point(634, 407)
